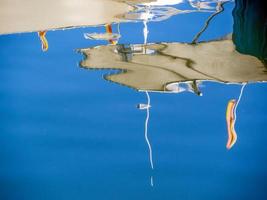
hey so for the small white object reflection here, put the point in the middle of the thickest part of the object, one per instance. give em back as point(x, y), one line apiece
point(142, 106)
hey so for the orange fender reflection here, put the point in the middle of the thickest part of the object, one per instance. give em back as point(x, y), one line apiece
point(230, 120)
point(109, 30)
point(43, 39)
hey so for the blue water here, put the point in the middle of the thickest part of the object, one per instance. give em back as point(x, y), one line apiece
point(65, 133)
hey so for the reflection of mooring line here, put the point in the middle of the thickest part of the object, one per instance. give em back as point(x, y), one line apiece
point(146, 137)
point(145, 33)
point(207, 22)
point(239, 98)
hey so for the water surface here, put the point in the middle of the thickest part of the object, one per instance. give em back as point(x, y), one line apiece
point(67, 133)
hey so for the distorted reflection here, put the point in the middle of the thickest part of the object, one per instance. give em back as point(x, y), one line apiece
point(175, 67)
point(183, 67)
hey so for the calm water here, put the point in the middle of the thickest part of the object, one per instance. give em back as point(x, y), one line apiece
point(66, 133)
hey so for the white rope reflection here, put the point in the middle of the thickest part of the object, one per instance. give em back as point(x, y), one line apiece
point(147, 107)
point(146, 134)
point(239, 98)
point(147, 139)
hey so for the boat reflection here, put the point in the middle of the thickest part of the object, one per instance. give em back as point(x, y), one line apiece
point(153, 67)
point(70, 14)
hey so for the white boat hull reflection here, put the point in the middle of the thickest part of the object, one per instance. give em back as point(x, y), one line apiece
point(18, 16)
